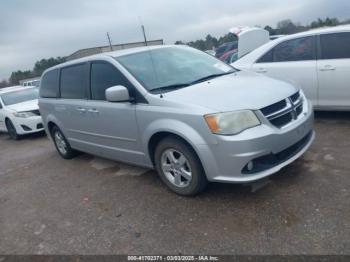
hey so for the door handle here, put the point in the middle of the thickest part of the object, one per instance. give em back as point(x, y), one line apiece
point(81, 110)
point(261, 70)
point(327, 68)
point(93, 110)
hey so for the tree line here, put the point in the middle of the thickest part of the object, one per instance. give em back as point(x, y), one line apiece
point(284, 27)
point(39, 67)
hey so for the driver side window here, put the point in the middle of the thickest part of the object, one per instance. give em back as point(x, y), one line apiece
point(104, 76)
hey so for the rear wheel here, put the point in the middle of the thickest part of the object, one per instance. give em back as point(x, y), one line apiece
point(179, 167)
point(11, 130)
point(61, 143)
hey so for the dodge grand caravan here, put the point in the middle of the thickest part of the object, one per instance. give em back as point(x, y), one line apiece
point(179, 110)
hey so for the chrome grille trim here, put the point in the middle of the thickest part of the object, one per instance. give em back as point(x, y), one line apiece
point(293, 108)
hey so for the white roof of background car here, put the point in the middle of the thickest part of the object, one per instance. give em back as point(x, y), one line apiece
point(255, 54)
point(112, 54)
point(13, 88)
point(321, 30)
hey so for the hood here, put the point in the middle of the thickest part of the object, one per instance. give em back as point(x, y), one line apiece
point(25, 106)
point(237, 91)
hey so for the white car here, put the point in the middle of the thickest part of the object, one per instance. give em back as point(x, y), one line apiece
point(35, 83)
point(318, 61)
point(19, 111)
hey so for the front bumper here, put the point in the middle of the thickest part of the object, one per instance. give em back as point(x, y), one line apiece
point(28, 125)
point(267, 147)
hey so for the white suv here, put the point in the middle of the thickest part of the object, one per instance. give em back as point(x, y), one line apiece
point(19, 111)
point(318, 61)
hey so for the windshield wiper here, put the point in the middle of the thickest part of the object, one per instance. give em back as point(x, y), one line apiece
point(210, 77)
point(169, 87)
point(178, 86)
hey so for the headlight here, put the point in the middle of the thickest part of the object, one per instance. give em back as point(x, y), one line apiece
point(23, 114)
point(231, 123)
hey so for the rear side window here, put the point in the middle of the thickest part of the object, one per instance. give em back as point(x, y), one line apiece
point(74, 82)
point(49, 84)
point(103, 76)
point(300, 49)
point(335, 46)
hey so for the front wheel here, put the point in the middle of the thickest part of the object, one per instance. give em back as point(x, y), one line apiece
point(179, 167)
point(61, 143)
point(11, 130)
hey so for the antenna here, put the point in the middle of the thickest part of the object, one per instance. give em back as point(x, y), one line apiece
point(109, 41)
point(144, 34)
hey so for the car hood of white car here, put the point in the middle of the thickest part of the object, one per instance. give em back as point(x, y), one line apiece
point(236, 91)
point(25, 106)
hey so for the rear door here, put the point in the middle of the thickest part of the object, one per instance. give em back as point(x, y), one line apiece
point(333, 68)
point(112, 128)
point(70, 109)
point(294, 61)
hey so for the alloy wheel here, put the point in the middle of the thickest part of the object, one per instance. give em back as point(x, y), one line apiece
point(60, 142)
point(176, 167)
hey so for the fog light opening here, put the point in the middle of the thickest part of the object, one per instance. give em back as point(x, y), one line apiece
point(250, 166)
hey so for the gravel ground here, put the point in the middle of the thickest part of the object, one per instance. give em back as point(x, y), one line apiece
point(89, 205)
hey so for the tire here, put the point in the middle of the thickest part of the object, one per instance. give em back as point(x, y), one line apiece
point(179, 167)
point(11, 130)
point(61, 143)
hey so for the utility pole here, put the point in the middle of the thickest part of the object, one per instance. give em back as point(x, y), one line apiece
point(144, 34)
point(109, 41)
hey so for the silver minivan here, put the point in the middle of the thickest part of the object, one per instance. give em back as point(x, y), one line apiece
point(179, 110)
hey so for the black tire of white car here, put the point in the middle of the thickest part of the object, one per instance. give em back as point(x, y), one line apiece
point(198, 180)
point(11, 130)
point(69, 153)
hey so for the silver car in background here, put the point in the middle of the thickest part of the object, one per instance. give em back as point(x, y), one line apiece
point(179, 110)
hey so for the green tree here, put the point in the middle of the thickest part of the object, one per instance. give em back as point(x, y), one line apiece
point(286, 27)
point(4, 83)
point(43, 64)
point(270, 30)
point(19, 75)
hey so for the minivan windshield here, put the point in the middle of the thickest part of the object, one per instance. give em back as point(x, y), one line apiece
point(170, 68)
point(19, 96)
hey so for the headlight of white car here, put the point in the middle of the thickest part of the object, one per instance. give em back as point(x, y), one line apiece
point(23, 114)
point(231, 123)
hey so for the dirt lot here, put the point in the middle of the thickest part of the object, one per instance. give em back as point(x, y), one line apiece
point(93, 206)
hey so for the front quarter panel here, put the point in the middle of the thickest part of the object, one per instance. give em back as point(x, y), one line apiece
point(181, 122)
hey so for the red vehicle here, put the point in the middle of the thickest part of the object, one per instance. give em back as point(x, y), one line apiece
point(230, 56)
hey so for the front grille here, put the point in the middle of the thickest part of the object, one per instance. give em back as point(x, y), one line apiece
point(295, 97)
point(285, 111)
point(36, 112)
point(282, 120)
point(274, 107)
point(266, 162)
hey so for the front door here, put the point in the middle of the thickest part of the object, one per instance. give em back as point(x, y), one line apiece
point(112, 129)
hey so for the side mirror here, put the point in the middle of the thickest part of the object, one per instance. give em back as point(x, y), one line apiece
point(117, 94)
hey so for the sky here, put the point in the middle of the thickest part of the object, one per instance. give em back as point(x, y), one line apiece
point(36, 29)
